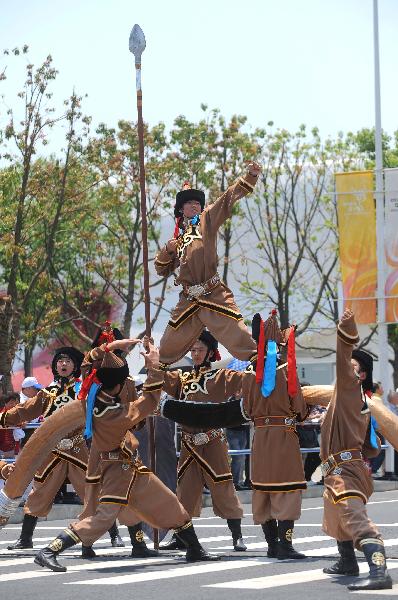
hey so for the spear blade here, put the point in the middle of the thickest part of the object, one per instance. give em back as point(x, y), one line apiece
point(137, 42)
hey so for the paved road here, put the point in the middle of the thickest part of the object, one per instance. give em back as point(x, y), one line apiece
point(250, 575)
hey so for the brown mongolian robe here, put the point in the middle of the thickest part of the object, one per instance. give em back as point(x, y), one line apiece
point(348, 483)
point(205, 463)
point(196, 257)
point(277, 473)
point(128, 490)
point(67, 460)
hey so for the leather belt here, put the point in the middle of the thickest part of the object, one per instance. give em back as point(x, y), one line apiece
point(201, 438)
point(194, 292)
point(289, 422)
point(69, 443)
point(119, 455)
point(334, 461)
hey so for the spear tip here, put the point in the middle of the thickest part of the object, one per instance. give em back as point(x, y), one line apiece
point(137, 42)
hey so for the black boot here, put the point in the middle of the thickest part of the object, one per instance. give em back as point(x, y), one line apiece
point(139, 549)
point(173, 544)
point(285, 548)
point(237, 540)
point(195, 552)
point(47, 557)
point(378, 578)
point(347, 563)
point(116, 540)
point(88, 552)
point(270, 529)
point(25, 540)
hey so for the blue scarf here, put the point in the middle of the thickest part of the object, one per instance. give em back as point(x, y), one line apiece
point(372, 433)
point(269, 378)
point(92, 394)
point(195, 220)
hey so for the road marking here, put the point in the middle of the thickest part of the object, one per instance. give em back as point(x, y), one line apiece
point(303, 540)
point(272, 581)
point(91, 566)
point(171, 573)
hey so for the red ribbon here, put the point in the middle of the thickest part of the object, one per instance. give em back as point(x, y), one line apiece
point(86, 385)
point(291, 365)
point(260, 354)
point(177, 228)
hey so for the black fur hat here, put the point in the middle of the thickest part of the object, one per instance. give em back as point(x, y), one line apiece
point(184, 196)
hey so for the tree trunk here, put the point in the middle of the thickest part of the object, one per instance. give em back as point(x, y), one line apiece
point(8, 329)
point(28, 360)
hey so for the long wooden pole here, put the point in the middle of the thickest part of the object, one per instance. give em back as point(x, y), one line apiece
point(144, 229)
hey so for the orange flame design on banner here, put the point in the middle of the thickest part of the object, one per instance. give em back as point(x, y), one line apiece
point(357, 233)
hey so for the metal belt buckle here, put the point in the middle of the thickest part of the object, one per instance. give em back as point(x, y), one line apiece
point(200, 438)
point(65, 444)
point(195, 291)
point(345, 455)
point(324, 468)
point(290, 421)
point(113, 455)
point(329, 464)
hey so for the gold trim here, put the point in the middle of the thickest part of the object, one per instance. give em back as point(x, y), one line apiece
point(183, 527)
point(371, 541)
point(73, 535)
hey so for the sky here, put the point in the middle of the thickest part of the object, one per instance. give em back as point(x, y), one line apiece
point(286, 61)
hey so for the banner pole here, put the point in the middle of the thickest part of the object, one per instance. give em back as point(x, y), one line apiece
point(379, 195)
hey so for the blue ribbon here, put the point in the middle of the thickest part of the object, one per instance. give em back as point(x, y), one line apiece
point(78, 385)
point(92, 394)
point(195, 220)
point(269, 377)
point(372, 433)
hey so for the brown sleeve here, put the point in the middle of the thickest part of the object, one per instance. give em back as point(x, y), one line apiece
point(172, 383)
point(31, 409)
point(148, 402)
point(166, 262)
point(233, 382)
point(347, 337)
point(221, 210)
point(317, 395)
point(299, 406)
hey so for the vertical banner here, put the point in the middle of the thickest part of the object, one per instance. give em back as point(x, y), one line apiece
point(391, 243)
point(357, 234)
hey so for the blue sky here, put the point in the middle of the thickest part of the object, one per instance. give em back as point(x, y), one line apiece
point(290, 61)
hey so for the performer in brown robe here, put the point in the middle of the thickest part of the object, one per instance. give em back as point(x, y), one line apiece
point(278, 479)
point(204, 301)
point(70, 457)
point(112, 409)
point(204, 454)
point(108, 334)
point(348, 484)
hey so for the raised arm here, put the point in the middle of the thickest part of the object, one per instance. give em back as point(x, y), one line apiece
point(221, 210)
point(31, 409)
point(317, 395)
point(347, 337)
